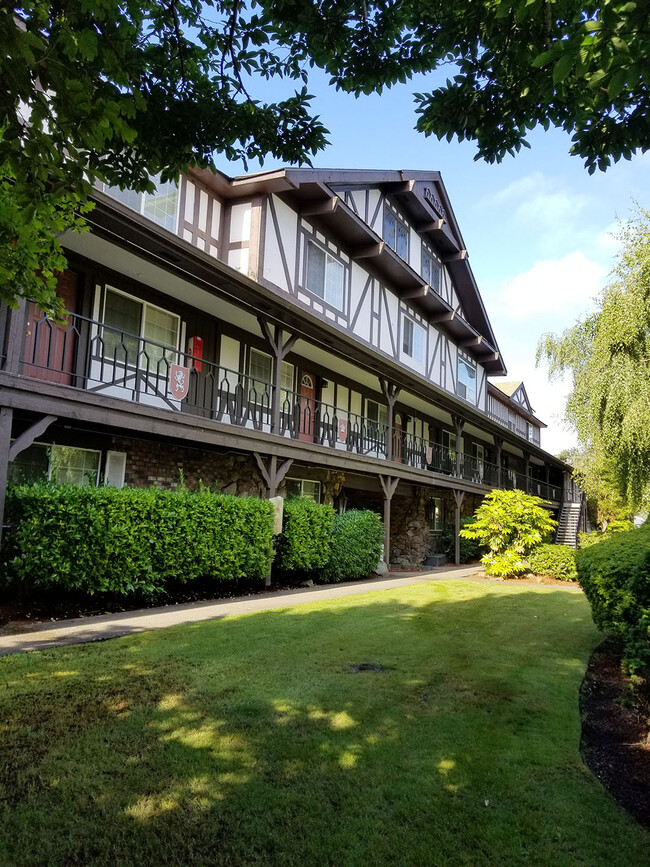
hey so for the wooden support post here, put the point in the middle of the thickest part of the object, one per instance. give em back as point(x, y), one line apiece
point(498, 444)
point(459, 496)
point(527, 471)
point(388, 485)
point(6, 417)
point(28, 436)
point(391, 393)
point(15, 335)
point(279, 351)
point(459, 426)
point(272, 476)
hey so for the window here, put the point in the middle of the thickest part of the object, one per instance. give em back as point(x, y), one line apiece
point(65, 465)
point(430, 269)
point(130, 319)
point(413, 340)
point(436, 515)
point(466, 386)
point(260, 371)
point(325, 276)
point(376, 413)
point(160, 206)
point(396, 232)
point(303, 488)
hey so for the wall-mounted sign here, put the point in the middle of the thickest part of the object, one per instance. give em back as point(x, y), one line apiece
point(343, 430)
point(179, 381)
point(434, 203)
point(429, 455)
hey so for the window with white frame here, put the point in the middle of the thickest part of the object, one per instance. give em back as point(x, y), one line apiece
point(466, 385)
point(413, 339)
point(303, 488)
point(325, 276)
point(130, 319)
point(436, 515)
point(377, 414)
point(396, 232)
point(431, 271)
point(260, 371)
point(65, 465)
point(161, 206)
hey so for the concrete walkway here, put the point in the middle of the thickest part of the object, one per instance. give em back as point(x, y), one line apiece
point(99, 628)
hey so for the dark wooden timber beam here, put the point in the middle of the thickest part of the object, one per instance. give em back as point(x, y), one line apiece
point(459, 496)
point(6, 418)
point(443, 317)
point(435, 226)
point(368, 252)
point(460, 256)
point(471, 342)
point(416, 292)
point(321, 208)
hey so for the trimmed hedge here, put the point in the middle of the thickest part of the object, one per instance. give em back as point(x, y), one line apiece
point(559, 561)
point(356, 546)
point(306, 540)
point(615, 576)
point(133, 539)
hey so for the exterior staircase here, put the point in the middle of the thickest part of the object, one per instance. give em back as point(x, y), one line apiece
point(568, 525)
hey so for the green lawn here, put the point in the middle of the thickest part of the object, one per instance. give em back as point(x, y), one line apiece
point(247, 740)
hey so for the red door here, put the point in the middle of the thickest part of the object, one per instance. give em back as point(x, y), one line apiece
point(307, 407)
point(49, 347)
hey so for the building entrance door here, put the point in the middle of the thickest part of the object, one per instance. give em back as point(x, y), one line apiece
point(50, 348)
point(307, 407)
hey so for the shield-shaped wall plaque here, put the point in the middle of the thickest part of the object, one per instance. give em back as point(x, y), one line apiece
point(179, 381)
point(429, 455)
point(343, 430)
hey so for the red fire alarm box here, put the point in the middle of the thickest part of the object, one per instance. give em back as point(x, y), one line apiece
point(195, 351)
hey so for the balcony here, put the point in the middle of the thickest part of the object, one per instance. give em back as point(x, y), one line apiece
point(89, 355)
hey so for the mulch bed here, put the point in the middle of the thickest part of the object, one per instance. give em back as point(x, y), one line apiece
point(616, 732)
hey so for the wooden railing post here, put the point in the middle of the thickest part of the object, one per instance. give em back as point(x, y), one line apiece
point(391, 393)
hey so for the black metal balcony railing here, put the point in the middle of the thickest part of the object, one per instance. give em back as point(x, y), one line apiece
point(89, 355)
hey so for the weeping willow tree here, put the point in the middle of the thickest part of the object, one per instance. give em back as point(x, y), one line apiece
point(607, 354)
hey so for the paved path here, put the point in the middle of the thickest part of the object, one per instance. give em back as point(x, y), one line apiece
point(105, 626)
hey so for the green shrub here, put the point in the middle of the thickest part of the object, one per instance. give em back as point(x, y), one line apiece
point(356, 546)
point(306, 540)
point(615, 576)
point(133, 539)
point(470, 549)
point(559, 561)
point(509, 524)
point(586, 540)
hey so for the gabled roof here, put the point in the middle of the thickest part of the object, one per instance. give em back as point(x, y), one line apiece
point(515, 395)
point(319, 194)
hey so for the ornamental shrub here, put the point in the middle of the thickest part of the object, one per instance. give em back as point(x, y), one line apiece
point(133, 539)
point(585, 540)
point(356, 546)
point(509, 524)
point(558, 561)
point(306, 540)
point(615, 576)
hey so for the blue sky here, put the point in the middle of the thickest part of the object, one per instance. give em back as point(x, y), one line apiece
point(537, 227)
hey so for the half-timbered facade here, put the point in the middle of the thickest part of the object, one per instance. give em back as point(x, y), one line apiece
point(295, 332)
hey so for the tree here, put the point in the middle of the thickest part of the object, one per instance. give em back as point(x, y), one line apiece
point(595, 473)
point(581, 65)
point(119, 92)
point(607, 355)
point(510, 524)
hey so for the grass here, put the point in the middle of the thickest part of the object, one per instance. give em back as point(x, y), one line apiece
point(248, 740)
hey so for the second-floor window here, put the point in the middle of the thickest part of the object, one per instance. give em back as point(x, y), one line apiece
point(325, 276)
point(260, 371)
point(131, 319)
point(466, 386)
point(160, 206)
point(396, 232)
point(431, 271)
point(413, 336)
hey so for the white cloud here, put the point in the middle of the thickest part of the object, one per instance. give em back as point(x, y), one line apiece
point(556, 289)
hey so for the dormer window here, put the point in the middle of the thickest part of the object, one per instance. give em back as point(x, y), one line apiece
point(325, 276)
point(413, 337)
point(466, 385)
point(396, 232)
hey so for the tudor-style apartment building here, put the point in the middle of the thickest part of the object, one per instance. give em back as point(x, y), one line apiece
point(296, 331)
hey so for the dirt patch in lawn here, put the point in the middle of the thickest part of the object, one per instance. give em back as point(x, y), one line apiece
point(616, 732)
point(546, 580)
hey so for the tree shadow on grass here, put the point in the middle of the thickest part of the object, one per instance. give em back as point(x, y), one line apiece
point(272, 738)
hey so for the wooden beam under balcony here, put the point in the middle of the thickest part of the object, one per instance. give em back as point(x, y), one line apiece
point(471, 342)
point(369, 252)
point(321, 208)
point(435, 226)
point(448, 316)
point(416, 292)
point(460, 256)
